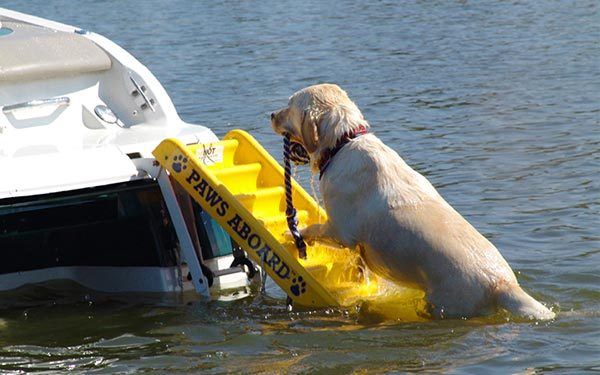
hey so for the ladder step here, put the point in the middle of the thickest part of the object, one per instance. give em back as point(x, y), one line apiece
point(264, 201)
point(240, 178)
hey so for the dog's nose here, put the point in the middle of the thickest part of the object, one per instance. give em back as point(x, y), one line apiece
point(272, 115)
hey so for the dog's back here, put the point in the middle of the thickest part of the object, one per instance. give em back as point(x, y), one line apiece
point(413, 236)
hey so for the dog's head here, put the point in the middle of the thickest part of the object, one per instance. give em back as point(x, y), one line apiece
point(317, 117)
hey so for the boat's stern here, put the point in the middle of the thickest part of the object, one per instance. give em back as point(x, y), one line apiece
point(81, 197)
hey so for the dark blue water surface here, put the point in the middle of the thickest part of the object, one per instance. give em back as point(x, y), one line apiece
point(497, 103)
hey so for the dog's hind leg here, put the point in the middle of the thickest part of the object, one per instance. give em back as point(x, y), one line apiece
point(455, 300)
point(517, 302)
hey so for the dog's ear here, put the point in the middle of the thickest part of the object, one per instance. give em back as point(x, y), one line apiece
point(308, 130)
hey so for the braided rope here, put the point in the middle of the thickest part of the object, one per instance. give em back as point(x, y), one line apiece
point(298, 154)
point(290, 211)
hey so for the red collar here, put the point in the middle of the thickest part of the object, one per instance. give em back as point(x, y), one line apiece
point(328, 154)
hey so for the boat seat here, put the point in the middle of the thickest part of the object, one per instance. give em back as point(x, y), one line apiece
point(33, 53)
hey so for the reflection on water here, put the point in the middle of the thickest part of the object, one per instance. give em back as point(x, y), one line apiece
point(497, 103)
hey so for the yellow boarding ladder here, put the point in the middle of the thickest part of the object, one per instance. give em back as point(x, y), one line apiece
point(241, 186)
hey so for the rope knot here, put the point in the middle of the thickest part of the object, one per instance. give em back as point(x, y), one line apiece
point(298, 154)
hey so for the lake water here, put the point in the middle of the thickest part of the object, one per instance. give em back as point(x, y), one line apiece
point(497, 103)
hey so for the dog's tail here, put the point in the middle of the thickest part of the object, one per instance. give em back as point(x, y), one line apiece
point(517, 302)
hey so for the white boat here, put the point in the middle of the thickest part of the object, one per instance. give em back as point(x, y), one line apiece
point(81, 196)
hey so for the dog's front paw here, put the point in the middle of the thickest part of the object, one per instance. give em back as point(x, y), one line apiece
point(289, 237)
point(310, 240)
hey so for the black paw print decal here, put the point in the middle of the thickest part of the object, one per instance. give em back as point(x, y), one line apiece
point(298, 286)
point(179, 163)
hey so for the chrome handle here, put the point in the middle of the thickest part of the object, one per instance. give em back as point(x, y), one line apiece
point(60, 101)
